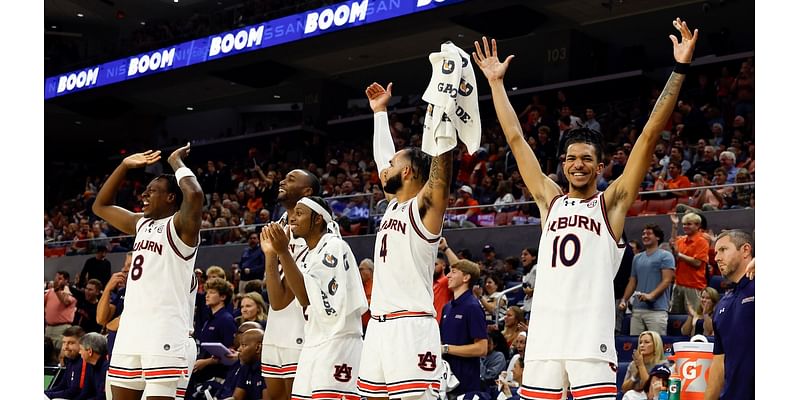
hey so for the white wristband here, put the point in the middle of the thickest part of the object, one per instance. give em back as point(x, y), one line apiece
point(183, 172)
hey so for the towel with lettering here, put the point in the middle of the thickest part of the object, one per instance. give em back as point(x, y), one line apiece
point(452, 97)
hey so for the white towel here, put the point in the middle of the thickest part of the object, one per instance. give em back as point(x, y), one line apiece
point(452, 97)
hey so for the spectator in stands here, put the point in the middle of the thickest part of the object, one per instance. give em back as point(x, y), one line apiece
point(691, 255)
point(485, 192)
point(674, 180)
point(504, 196)
point(590, 122)
point(219, 328)
point(649, 353)
point(59, 308)
point(514, 324)
point(86, 309)
point(511, 272)
point(742, 196)
point(493, 300)
point(528, 260)
point(727, 161)
point(490, 263)
point(80, 242)
point(732, 373)
point(253, 309)
point(441, 292)
point(706, 163)
point(463, 329)
point(112, 302)
point(495, 361)
point(94, 350)
point(652, 274)
point(251, 262)
point(700, 319)
point(545, 150)
point(470, 214)
point(656, 382)
point(69, 382)
point(357, 210)
point(97, 267)
point(617, 165)
point(508, 385)
point(676, 154)
point(366, 267)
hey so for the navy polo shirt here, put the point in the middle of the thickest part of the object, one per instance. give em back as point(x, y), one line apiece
point(231, 379)
point(219, 328)
point(251, 381)
point(462, 323)
point(69, 382)
point(118, 300)
point(735, 334)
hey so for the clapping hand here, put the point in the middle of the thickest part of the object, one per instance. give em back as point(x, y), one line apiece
point(278, 236)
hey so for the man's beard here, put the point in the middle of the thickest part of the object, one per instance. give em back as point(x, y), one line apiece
point(393, 184)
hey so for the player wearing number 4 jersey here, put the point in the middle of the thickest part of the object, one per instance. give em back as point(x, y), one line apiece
point(402, 351)
point(154, 352)
point(570, 343)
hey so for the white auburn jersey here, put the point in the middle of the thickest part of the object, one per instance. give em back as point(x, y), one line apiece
point(572, 311)
point(160, 292)
point(405, 254)
point(335, 292)
point(285, 327)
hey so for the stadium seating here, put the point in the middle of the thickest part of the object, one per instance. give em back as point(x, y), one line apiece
point(625, 347)
point(674, 323)
point(626, 325)
point(622, 369)
point(636, 207)
point(656, 207)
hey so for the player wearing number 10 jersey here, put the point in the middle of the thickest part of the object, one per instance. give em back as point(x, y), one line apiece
point(570, 341)
point(154, 352)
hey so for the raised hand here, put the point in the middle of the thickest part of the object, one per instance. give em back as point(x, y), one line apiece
point(442, 244)
point(180, 153)
point(278, 236)
point(489, 62)
point(684, 49)
point(674, 218)
point(378, 96)
point(140, 160)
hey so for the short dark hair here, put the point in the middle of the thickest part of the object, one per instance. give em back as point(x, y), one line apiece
point(96, 282)
point(253, 286)
point(63, 273)
point(420, 162)
point(656, 231)
point(313, 182)
point(588, 136)
point(74, 331)
point(322, 203)
point(172, 187)
point(739, 237)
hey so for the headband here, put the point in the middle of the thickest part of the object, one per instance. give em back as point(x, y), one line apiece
point(333, 227)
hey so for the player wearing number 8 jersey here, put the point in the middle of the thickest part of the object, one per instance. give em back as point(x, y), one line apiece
point(154, 352)
point(402, 351)
point(570, 341)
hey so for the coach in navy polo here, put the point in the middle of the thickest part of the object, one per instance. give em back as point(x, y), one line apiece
point(732, 374)
point(463, 328)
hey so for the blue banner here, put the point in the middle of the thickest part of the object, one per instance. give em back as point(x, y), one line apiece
point(250, 38)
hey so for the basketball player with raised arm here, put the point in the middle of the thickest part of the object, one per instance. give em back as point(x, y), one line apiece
point(154, 352)
point(401, 356)
point(571, 337)
point(284, 337)
point(327, 283)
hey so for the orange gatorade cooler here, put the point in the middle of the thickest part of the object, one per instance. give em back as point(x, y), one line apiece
point(692, 365)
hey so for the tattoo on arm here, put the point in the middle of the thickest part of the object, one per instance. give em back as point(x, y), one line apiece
point(441, 171)
point(671, 90)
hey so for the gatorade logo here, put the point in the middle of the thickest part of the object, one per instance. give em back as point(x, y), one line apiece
point(689, 370)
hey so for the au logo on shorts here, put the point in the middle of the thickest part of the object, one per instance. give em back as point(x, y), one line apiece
point(427, 361)
point(342, 373)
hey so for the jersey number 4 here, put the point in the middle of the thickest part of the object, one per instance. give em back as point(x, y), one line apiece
point(560, 250)
point(383, 252)
point(136, 267)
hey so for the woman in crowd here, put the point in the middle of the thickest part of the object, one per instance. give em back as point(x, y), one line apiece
point(699, 321)
point(494, 302)
point(253, 309)
point(649, 352)
point(514, 324)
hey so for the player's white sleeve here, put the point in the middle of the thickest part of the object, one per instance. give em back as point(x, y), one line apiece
point(327, 282)
point(382, 142)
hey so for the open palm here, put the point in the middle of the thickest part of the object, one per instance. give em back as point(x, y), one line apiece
point(139, 160)
point(378, 96)
point(684, 49)
point(488, 60)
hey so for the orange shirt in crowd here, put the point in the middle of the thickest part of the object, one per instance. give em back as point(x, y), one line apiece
point(695, 246)
point(441, 295)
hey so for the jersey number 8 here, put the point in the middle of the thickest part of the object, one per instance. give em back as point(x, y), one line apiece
point(136, 270)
